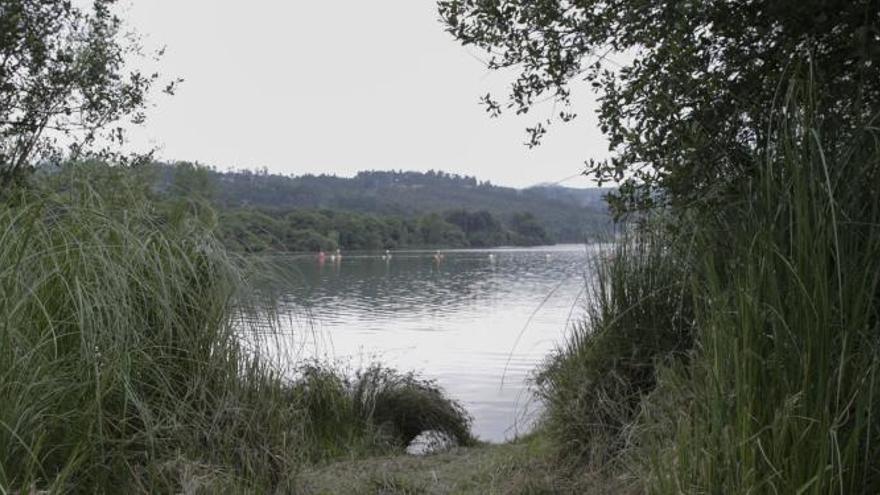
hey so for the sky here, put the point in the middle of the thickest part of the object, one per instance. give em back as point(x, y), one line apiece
point(336, 87)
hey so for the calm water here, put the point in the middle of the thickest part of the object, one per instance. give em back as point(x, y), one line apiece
point(478, 322)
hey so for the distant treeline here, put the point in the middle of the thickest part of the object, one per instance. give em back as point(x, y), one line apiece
point(394, 208)
point(380, 210)
point(251, 230)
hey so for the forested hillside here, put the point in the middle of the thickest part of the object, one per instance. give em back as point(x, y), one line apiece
point(568, 215)
point(592, 198)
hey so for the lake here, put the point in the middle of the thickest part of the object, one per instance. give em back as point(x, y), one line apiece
point(478, 321)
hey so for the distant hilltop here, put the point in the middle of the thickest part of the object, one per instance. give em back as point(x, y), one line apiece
point(568, 214)
point(591, 197)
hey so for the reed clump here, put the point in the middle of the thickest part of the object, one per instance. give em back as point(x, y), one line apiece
point(766, 379)
point(783, 394)
point(640, 316)
point(376, 410)
point(136, 358)
point(121, 361)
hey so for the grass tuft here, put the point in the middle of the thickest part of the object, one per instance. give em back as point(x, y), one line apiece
point(131, 355)
point(640, 316)
point(378, 410)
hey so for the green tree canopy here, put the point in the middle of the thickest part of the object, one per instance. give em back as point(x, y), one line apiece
point(481, 228)
point(438, 232)
point(527, 231)
point(64, 84)
point(688, 100)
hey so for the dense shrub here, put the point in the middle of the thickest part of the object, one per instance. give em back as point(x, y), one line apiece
point(375, 410)
point(403, 406)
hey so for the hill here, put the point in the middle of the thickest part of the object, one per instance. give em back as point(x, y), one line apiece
point(591, 197)
point(568, 215)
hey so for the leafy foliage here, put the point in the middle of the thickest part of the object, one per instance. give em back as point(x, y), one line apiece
point(481, 228)
point(253, 230)
point(685, 108)
point(63, 81)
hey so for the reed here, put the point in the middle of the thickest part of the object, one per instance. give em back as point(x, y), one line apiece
point(783, 395)
point(736, 349)
point(639, 315)
point(120, 353)
point(136, 357)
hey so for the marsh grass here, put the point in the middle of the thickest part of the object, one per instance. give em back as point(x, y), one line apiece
point(120, 359)
point(737, 350)
point(784, 393)
point(376, 410)
point(133, 355)
point(639, 316)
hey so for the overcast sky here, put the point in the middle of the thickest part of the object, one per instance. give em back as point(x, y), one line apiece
point(336, 87)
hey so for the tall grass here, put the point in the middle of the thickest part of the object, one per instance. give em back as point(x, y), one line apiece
point(130, 354)
point(742, 357)
point(784, 395)
point(640, 315)
point(120, 359)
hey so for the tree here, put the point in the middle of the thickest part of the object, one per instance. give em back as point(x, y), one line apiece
point(688, 110)
point(527, 231)
point(438, 232)
point(64, 84)
point(481, 228)
point(191, 180)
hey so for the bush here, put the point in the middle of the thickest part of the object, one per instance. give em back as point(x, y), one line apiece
point(404, 406)
point(377, 410)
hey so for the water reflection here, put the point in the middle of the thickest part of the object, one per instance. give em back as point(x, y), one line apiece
point(477, 321)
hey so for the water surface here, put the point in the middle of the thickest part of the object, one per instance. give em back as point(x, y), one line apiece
point(476, 321)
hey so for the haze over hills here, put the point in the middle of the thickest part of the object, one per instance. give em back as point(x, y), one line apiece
point(568, 214)
point(588, 197)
